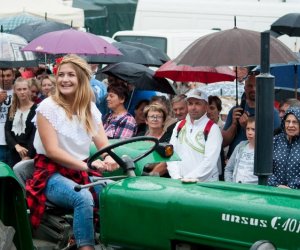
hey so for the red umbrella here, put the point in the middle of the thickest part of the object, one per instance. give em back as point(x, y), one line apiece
point(71, 41)
point(186, 73)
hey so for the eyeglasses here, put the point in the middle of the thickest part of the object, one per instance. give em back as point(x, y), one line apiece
point(155, 117)
point(294, 123)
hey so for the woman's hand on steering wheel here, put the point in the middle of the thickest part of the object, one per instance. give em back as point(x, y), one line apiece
point(111, 164)
point(107, 165)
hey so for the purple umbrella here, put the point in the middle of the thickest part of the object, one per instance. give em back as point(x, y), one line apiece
point(71, 41)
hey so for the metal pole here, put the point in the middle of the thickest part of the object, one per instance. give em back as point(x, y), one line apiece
point(264, 111)
point(236, 87)
point(296, 80)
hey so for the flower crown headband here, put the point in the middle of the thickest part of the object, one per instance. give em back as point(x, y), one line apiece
point(59, 60)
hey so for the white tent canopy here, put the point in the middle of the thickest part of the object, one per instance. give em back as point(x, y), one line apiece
point(52, 9)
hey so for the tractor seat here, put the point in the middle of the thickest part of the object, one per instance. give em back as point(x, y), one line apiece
point(56, 222)
point(23, 171)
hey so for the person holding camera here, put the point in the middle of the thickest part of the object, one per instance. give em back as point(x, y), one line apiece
point(234, 129)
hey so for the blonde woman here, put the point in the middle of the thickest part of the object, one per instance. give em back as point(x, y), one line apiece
point(35, 90)
point(19, 130)
point(48, 83)
point(67, 123)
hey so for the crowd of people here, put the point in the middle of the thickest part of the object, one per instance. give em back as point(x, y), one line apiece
point(53, 119)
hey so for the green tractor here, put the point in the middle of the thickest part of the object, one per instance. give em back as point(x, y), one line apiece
point(149, 212)
point(15, 230)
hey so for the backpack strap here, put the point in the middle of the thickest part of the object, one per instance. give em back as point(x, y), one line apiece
point(180, 126)
point(207, 128)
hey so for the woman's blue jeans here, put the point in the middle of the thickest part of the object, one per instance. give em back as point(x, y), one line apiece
point(60, 191)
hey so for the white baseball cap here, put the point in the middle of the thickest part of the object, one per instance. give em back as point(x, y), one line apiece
point(198, 94)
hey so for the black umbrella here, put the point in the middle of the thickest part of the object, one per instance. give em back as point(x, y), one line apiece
point(288, 24)
point(283, 94)
point(155, 52)
point(134, 53)
point(140, 76)
point(31, 31)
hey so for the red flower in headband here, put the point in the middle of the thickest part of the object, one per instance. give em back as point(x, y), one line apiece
point(57, 62)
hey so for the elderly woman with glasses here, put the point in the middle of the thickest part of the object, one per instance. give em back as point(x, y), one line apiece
point(155, 117)
point(286, 152)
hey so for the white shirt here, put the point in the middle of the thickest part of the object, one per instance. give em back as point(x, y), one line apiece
point(19, 122)
point(198, 157)
point(245, 168)
point(71, 134)
point(240, 166)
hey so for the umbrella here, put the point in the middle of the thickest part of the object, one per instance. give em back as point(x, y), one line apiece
point(135, 53)
point(281, 94)
point(220, 89)
point(287, 76)
point(140, 76)
point(71, 41)
point(288, 24)
point(11, 22)
point(32, 30)
point(204, 74)
point(233, 47)
point(10, 52)
point(156, 52)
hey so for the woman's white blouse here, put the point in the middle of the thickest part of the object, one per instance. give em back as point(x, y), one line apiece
point(71, 134)
point(19, 122)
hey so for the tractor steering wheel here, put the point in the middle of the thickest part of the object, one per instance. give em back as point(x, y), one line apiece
point(118, 159)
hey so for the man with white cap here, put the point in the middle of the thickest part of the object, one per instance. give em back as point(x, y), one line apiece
point(197, 141)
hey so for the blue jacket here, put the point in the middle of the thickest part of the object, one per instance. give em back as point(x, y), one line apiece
point(286, 157)
point(100, 91)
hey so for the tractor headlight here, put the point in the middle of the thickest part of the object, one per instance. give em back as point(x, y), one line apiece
point(165, 149)
point(263, 245)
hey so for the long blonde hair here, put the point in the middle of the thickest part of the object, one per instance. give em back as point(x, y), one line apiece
point(81, 105)
point(15, 104)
